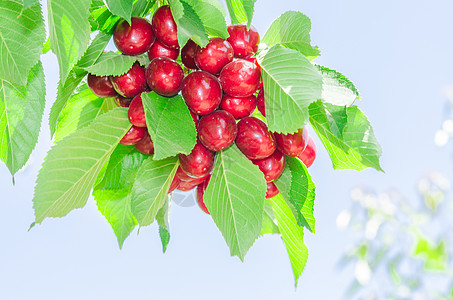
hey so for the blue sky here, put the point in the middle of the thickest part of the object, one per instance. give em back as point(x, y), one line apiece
point(399, 55)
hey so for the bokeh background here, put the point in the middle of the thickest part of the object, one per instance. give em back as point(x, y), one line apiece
point(398, 53)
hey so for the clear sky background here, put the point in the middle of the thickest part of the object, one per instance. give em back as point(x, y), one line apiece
point(399, 54)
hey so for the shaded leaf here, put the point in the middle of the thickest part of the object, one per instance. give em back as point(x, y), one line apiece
point(121, 8)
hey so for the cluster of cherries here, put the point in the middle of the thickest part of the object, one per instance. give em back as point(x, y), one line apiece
point(223, 85)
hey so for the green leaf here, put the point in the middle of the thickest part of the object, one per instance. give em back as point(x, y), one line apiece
point(270, 225)
point(336, 88)
point(150, 188)
point(292, 235)
point(163, 219)
point(292, 30)
point(71, 166)
point(22, 35)
point(111, 63)
point(235, 197)
point(69, 31)
point(46, 46)
point(29, 3)
point(142, 8)
point(102, 19)
point(170, 125)
point(241, 11)
point(121, 8)
point(212, 14)
point(291, 83)
point(435, 256)
point(298, 190)
point(347, 136)
point(21, 110)
point(94, 51)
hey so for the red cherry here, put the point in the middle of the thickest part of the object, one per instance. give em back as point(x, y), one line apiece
point(199, 162)
point(244, 42)
point(201, 188)
point(164, 76)
point(130, 84)
point(188, 54)
point(194, 117)
point(240, 78)
point(136, 112)
point(174, 184)
point(292, 144)
point(164, 27)
point(255, 61)
point(135, 38)
point(272, 190)
point(183, 175)
point(212, 58)
point(123, 102)
point(133, 136)
point(309, 154)
point(260, 103)
point(146, 145)
point(272, 166)
point(186, 186)
point(202, 92)
point(254, 139)
point(239, 107)
point(160, 50)
point(217, 130)
point(101, 86)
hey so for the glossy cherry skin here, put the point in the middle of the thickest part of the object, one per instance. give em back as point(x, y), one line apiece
point(255, 61)
point(240, 78)
point(174, 184)
point(244, 42)
point(201, 188)
point(135, 38)
point(272, 190)
point(101, 86)
point(164, 27)
point(272, 166)
point(188, 55)
point(217, 130)
point(145, 145)
point(239, 107)
point(292, 144)
point(160, 50)
point(309, 154)
point(164, 76)
point(212, 58)
point(133, 136)
point(202, 92)
point(184, 176)
point(186, 186)
point(123, 102)
point(136, 112)
point(254, 139)
point(131, 83)
point(194, 118)
point(199, 162)
point(260, 102)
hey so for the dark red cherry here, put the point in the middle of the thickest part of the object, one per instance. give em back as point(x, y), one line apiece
point(136, 112)
point(212, 58)
point(309, 154)
point(194, 117)
point(135, 38)
point(186, 186)
point(133, 136)
point(239, 107)
point(217, 130)
point(244, 42)
point(123, 102)
point(164, 27)
point(260, 102)
point(174, 184)
point(188, 54)
point(146, 145)
point(199, 162)
point(201, 188)
point(254, 139)
point(131, 83)
point(101, 86)
point(160, 50)
point(272, 190)
point(183, 175)
point(164, 76)
point(292, 144)
point(240, 78)
point(202, 92)
point(272, 166)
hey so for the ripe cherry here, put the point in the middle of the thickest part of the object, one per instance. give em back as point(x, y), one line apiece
point(145, 145)
point(309, 154)
point(240, 78)
point(186, 186)
point(133, 136)
point(130, 84)
point(188, 54)
point(160, 50)
point(202, 92)
point(194, 118)
point(164, 76)
point(272, 166)
point(255, 61)
point(123, 102)
point(199, 162)
point(244, 42)
point(201, 188)
point(101, 86)
point(212, 58)
point(136, 112)
point(239, 107)
point(254, 139)
point(183, 175)
point(217, 130)
point(164, 27)
point(260, 102)
point(292, 144)
point(135, 38)
point(272, 190)
point(174, 184)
